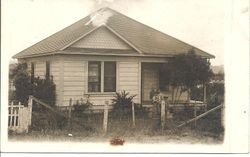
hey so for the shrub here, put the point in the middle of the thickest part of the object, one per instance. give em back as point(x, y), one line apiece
point(122, 104)
point(43, 89)
point(22, 83)
point(79, 107)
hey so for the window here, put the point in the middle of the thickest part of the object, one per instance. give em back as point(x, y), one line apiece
point(101, 76)
point(94, 77)
point(47, 75)
point(32, 74)
point(109, 76)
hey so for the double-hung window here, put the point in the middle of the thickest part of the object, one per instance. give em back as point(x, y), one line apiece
point(101, 76)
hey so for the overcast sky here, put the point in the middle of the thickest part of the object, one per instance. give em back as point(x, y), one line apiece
point(199, 23)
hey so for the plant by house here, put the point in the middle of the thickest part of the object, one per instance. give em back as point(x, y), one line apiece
point(43, 89)
point(122, 104)
point(80, 106)
point(22, 83)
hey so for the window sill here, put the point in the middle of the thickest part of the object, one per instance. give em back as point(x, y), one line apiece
point(100, 93)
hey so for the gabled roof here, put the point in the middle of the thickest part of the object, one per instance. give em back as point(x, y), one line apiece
point(143, 39)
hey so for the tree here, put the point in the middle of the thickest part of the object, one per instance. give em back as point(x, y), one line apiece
point(43, 89)
point(185, 71)
point(21, 80)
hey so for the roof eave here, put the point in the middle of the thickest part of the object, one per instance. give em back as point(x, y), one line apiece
point(63, 52)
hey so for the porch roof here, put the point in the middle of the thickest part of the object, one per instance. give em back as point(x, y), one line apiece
point(143, 39)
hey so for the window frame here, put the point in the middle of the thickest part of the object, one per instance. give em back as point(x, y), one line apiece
point(102, 78)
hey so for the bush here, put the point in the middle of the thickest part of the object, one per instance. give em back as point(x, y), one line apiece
point(122, 104)
point(22, 83)
point(43, 89)
point(79, 107)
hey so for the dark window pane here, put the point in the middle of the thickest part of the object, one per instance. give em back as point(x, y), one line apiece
point(47, 70)
point(109, 76)
point(16, 121)
point(32, 72)
point(94, 77)
point(9, 120)
point(164, 78)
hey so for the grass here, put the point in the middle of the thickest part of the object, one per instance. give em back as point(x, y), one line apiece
point(89, 129)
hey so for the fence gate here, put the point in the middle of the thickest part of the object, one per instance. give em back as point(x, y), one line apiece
point(19, 118)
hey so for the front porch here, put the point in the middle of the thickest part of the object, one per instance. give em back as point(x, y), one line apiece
point(152, 79)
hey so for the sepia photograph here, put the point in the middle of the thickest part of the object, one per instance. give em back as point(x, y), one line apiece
point(118, 73)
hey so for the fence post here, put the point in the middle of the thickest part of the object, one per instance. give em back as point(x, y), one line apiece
point(105, 117)
point(11, 112)
point(133, 114)
point(69, 114)
point(163, 110)
point(223, 115)
point(18, 114)
point(195, 115)
point(30, 105)
point(14, 117)
point(204, 93)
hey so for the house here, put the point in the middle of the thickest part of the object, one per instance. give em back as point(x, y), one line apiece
point(101, 54)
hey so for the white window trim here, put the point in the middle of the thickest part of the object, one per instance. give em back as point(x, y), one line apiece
point(102, 79)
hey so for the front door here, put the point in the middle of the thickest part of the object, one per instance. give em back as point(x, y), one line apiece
point(150, 80)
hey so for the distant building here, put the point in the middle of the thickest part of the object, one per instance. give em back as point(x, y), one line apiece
point(218, 74)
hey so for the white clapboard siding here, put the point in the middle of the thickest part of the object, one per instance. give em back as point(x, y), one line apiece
point(73, 80)
point(40, 68)
point(55, 72)
point(128, 78)
point(74, 84)
point(100, 100)
point(94, 99)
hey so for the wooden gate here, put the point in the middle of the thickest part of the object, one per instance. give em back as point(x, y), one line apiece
point(19, 117)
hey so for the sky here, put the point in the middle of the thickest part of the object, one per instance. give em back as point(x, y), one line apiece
point(199, 23)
